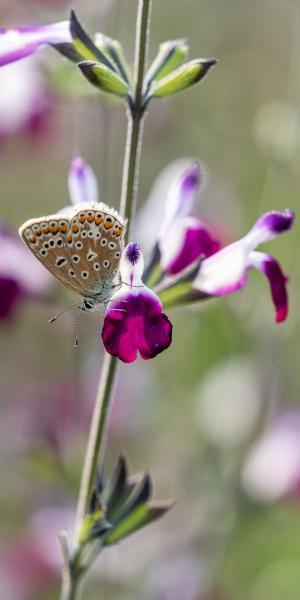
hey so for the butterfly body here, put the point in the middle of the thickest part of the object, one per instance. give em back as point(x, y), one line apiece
point(81, 247)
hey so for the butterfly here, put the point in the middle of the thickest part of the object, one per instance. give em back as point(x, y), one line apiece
point(81, 247)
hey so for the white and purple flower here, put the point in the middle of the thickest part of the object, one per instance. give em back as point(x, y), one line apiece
point(134, 322)
point(16, 44)
point(187, 251)
point(226, 271)
point(184, 238)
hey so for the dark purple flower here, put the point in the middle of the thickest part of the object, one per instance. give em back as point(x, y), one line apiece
point(226, 271)
point(21, 275)
point(183, 238)
point(134, 321)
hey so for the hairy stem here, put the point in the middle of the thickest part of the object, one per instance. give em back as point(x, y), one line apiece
point(135, 118)
point(97, 437)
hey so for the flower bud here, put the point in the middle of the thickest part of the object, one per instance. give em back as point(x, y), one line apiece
point(104, 78)
point(181, 78)
point(171, 55)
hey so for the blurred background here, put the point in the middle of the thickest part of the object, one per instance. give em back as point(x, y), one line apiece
point(216, 418)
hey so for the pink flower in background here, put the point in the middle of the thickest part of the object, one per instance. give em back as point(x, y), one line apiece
point(134, 321)
point(22, 277)
point(31, 115)
point(271, 470)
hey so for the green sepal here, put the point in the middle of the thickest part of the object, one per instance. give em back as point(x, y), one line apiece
point(176, 290)
point(104, 78)
point(139, 517)
point(182, 78)
point(93, 526)
point(171, 55)
point(84, 45)
point(114, 52)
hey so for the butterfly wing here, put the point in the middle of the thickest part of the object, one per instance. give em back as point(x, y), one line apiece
point(82, 250)
point(46, 237)
point(95, 243)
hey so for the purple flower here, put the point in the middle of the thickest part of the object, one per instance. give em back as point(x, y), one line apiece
point(83, 186)
point(18, 43)
point(272, 467)
point(183, 238)
point(226, 271)
point(134, 321)
point(21, 275)
point(23, 80)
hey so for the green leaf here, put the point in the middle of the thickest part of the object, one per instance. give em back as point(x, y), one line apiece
point(114, 52)
point(84, 45)
point(181, 78)
point(142, 515)
point(104, 78)
point(171, 55)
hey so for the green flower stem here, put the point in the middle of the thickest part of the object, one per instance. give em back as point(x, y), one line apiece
point(135, 118)
point(71, 589)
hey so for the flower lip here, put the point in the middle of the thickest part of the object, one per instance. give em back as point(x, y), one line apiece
point(276, 221)
point(133, 253)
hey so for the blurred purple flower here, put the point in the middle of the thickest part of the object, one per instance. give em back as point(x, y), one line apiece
point(19, 43)
point(83, 186)
point(32, 114)
point(271, 470)
point(21, 276)
point(183, 238)
point(134, 321)
point(226, 271)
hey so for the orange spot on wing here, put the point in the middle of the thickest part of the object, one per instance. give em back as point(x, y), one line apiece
point(117, 232)
point(46, 230)
point(69, 238)
point(54, 229)
point(108, 225)
point(75, 228)
point(90, 218)
point(82, 219)
point(38, 232)
point(63, 228)
point(32, 239)
point(98, 220)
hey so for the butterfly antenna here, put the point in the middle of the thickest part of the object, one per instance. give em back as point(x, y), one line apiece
point(77, 330)
point(62, 311)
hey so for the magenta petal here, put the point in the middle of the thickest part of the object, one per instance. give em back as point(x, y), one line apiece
point(135, 323)
point(198, 242)
point(277, 281)
point(10, 294)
